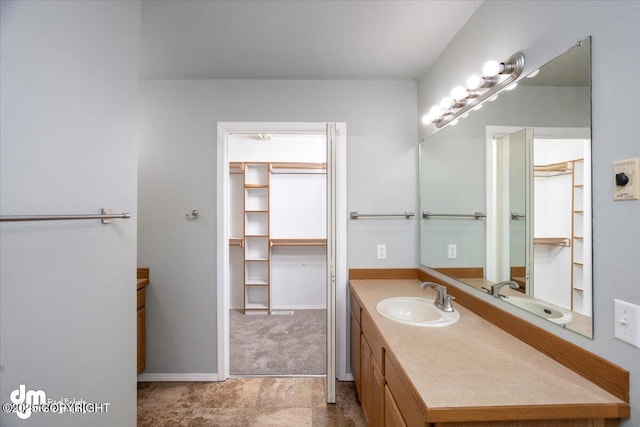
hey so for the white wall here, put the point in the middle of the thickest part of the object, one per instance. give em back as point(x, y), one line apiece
point(500, 28)
point(177, 162)
point(69, 83)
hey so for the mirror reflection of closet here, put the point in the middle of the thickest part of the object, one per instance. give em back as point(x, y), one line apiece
point(542, 189)
point(554, 103)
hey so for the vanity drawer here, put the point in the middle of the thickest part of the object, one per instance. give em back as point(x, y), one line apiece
point(374, 339)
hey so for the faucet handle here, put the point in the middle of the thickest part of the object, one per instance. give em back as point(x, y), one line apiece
point(448, 306)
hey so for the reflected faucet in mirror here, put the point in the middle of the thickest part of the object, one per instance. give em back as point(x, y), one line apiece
point(495, 289)
point(527, 166)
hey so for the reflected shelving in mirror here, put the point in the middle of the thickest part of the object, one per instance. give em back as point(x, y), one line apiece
point(527, 162)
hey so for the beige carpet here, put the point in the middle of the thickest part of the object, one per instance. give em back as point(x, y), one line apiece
point(278, 344)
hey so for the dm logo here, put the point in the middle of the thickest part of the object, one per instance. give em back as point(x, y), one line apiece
point(25, 400)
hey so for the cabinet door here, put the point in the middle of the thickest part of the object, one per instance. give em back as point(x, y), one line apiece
point(392, 416)
point(355, 353)
point(142, 314)
point(366, 379)
point(377, 395)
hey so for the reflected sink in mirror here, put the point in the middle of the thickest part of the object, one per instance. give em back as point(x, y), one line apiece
point(416, 311)
point(551, 312)
point(526, 159)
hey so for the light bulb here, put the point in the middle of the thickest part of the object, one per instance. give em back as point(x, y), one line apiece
point(474, 82)
point(533, 74)
point(477, 107)
point(493, 98)
point(459, 93)
point(512, 86)
point(491, 68)
point(435, 113)
point(426, 119)
point(446, 103)
point(454, 122)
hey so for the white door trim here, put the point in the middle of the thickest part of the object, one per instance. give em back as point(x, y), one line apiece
point(224, 129)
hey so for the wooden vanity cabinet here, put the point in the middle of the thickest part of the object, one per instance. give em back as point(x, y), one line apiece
point(389, 398)
point(377, 395)
point(142, 351)
point(355, 344)
point(143, 281)
point(366, 366)
point(392, 415)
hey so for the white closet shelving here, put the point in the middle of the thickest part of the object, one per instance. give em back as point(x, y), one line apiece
point(577, 238)
point(282, 206)
point(257, 295)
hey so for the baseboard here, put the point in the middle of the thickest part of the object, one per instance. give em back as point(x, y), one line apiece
point(299, 307)
point(347, 377)
point(292, 307)
point(178, 377)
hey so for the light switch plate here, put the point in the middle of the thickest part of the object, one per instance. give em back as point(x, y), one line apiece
point(627, 322)
point(631, 168)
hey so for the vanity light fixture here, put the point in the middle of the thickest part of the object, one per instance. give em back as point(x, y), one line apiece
point(497, 76)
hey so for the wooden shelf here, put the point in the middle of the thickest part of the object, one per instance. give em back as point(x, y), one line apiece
point(552, 167)
point(578, 263)
point(553, 241)
point(236, 167)
point(236, 241)
point(293, 165)
point(256, 186)
point(298, 242)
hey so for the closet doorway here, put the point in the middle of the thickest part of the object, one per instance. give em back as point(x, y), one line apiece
point(282, 273)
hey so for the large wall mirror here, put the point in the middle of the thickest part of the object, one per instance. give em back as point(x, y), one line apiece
point(505, 194)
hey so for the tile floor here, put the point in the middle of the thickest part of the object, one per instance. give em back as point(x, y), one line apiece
point(243, 402)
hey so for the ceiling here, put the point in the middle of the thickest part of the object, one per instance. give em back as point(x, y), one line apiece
point(266, 39)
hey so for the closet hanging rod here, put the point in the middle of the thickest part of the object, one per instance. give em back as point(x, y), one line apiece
point(407, 215)
point(475, 215)
point(106, 216)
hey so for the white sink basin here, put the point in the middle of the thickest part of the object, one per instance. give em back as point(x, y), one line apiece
point(416, 311)
point(543, 309)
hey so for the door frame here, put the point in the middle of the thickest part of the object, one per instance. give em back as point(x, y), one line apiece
point(336, 306)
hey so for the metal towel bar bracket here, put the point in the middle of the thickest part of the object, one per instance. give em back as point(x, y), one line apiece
point(106, 216)
point(356, 215)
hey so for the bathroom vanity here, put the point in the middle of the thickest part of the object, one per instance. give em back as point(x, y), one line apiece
point(470, 374)
point(142, 282)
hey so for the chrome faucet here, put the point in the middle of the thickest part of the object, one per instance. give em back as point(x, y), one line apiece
point(495, 289)
point(442, 301)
